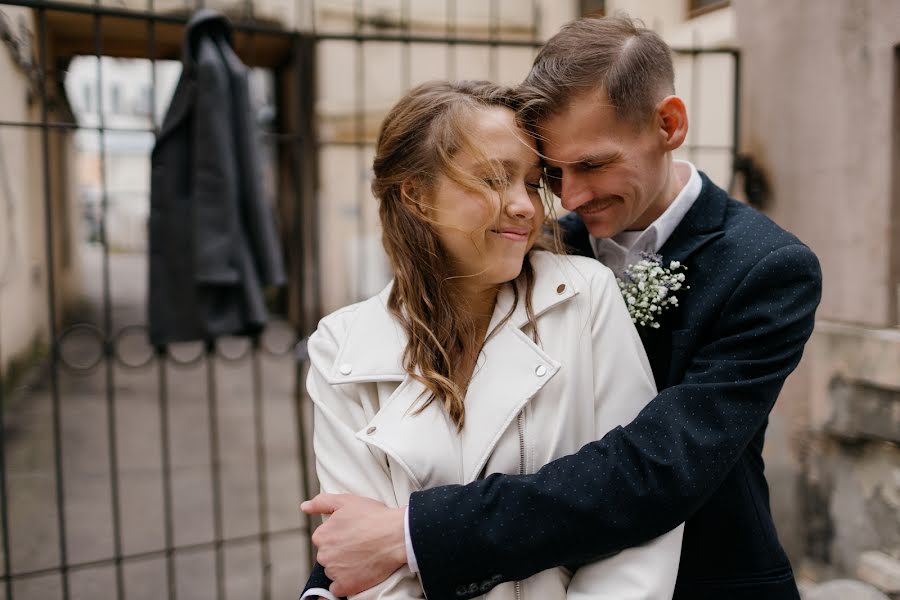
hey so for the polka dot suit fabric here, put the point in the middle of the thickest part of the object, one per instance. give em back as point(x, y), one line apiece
point(693, 454)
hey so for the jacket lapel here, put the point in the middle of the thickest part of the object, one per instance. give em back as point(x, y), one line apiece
point(701, 225)
point(511, 370)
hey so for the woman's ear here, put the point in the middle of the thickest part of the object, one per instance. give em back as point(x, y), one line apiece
point(672, 120)
point(410, 192)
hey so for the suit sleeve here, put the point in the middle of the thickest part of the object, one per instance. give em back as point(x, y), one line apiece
point(623, 386)
point(644, 478)
point(344, 463)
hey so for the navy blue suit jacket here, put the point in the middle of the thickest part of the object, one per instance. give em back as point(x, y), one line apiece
point(693, 454)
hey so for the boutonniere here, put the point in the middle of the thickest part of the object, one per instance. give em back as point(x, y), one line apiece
point(649, 288)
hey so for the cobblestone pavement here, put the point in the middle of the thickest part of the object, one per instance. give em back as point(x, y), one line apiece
point(85, 398)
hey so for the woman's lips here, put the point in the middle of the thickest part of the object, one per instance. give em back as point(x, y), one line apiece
point(513, 234)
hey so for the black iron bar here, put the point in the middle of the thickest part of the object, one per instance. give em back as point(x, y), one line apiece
point(269, 30)
point(450, 37)
point(406, 57)
point(162, 372)
point(156, 554)
point(49, 246)
point(71, 126)
point(694, 132)
point(306, 223)
point(735, 120)
point(166, 458)
point(306, 476)
point(360, 134)
point(4, 497)
point(493, 35)
point(261, 474)
point(109, 354)
point(215, 461)
point(259, 432)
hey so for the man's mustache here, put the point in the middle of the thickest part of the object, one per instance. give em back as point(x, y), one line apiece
point(598, 204)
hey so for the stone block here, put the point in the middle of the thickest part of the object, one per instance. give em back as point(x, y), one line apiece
point(880, 570)
point(843, 589)
point(861, 410)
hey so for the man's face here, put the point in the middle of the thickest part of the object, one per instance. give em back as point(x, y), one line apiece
point(612, 173)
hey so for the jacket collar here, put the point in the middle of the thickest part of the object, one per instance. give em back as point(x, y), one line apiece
point(510, 371)
point(553, 286)
point(703, 223)
point(205, 21)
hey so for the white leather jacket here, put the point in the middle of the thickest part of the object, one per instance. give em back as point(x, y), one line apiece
point(526, 405)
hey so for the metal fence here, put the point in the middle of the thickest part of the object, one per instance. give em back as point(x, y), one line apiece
point(197, 454)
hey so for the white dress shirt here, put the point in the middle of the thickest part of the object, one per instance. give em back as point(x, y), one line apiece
point(617, 253)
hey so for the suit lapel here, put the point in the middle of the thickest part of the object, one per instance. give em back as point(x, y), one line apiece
point(701, 225)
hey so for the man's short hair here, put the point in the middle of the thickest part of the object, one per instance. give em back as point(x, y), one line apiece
point(615, 55)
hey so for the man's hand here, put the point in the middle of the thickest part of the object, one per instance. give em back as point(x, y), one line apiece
point(360, 544)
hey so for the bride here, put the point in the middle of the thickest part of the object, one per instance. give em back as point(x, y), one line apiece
point(487, 352)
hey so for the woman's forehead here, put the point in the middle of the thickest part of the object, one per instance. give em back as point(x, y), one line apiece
point(496, 137)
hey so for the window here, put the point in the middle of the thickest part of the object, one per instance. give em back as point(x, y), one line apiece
point(699, 7)
point(115, 100)
point(592, 8)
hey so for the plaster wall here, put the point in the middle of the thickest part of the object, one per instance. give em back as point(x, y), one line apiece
point(820, 89)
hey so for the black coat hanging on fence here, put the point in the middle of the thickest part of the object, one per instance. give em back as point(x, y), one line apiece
point(212, 236)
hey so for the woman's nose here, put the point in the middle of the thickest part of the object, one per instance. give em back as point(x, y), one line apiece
point(519, 204)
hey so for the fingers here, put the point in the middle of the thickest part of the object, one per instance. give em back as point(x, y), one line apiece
point(323, 504)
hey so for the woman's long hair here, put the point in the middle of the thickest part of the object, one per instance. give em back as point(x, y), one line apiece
point(418, 142)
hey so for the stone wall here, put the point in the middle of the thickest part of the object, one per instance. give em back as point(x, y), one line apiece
point(821, 102)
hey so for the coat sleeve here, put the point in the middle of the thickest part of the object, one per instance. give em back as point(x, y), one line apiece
point(214, 184)
point(344, 463)
point(645, 478)
point(623, 386)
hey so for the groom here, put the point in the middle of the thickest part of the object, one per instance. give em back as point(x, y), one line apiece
point(600, 97)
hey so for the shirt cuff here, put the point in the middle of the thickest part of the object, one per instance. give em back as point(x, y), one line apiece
point(410, 553)
point(318, 593)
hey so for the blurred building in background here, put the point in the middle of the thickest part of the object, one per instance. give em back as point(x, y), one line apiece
point(793, 106)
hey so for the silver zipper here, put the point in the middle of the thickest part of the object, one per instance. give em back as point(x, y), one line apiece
point(520, 422)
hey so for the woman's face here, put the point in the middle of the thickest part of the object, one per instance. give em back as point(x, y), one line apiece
point(488, 235)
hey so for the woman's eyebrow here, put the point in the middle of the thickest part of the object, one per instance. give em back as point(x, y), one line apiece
point(505, 164)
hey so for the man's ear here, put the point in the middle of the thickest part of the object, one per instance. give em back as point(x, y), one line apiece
point(671, 115)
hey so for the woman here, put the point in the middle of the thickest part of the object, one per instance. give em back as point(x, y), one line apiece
point(483, 354)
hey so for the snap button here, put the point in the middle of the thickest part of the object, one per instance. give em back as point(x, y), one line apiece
point(560, 288)
point(346, 369)
point(540, 370)
point(371, 430)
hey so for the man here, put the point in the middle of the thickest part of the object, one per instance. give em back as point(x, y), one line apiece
point(600, 97)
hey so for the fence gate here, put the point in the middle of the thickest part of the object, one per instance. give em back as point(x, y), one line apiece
point(132, 472)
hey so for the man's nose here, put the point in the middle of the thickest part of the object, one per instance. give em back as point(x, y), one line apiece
point(572, 194)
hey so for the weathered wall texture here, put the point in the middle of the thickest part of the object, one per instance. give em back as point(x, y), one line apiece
point(24, 272)
point(820, 113)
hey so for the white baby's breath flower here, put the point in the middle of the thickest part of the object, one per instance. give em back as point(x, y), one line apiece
point(649, 288)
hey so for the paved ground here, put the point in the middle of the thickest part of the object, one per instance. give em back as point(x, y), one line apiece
point(84, 401)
